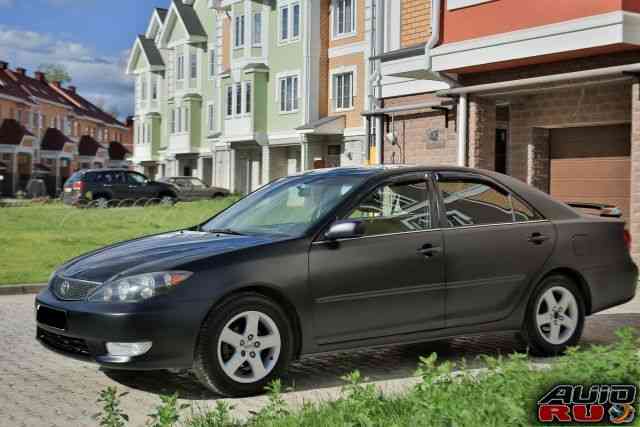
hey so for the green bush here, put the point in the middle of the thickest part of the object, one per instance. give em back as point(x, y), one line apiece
point(448, 395)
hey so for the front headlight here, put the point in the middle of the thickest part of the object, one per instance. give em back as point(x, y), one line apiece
point(140, 287)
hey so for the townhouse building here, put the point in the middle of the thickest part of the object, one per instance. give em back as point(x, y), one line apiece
point(241, 92)
point(542, 90)
point(51, 131)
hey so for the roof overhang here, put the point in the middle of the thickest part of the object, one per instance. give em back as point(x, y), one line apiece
point(331, 125)
point(619, 28)
point(138, 49)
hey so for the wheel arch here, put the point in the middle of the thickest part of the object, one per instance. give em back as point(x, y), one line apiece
point(578, 279)
point(278, 297)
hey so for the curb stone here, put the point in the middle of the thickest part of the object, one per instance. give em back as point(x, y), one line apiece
point(21, 289)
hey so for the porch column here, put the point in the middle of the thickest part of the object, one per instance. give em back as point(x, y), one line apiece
point(266, 164)
point(57, 175)
point(232, 170)
point(634, 214)
point(304, 156)
point(482, 133)
point(201, 167)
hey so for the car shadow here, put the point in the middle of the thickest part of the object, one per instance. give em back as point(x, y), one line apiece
point(377, 364)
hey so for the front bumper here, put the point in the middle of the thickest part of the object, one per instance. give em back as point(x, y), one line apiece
point(172, 327)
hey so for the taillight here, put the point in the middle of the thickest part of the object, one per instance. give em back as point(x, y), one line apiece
point(78, 186)
point(627, 239)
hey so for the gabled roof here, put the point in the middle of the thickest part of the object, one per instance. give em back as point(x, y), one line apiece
point(147, 47)
point(117, 151)
point(9, 87)
point(54, 140)
point(86, 108)
point(12, 132)
point(87, 146)
point(37, 87)
point(189, 19)
point(162, 13)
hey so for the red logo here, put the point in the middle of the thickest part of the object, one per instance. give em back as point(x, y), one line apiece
point(601, 403)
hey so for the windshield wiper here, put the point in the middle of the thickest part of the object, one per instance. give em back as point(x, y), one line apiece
point(224, 231)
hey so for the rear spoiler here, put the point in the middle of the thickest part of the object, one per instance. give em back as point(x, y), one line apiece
point(607, 211)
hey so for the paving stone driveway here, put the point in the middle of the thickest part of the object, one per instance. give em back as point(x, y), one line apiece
point(40, 388)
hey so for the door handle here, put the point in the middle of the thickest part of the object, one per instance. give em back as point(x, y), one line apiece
point(429, 251)
point(538, 239)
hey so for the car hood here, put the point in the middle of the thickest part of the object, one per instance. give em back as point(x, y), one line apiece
point(158, 252)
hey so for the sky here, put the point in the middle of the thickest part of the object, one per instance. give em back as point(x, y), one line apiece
point(91, 38)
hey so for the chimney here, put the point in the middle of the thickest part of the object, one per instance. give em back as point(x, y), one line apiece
point(72, 89)
point(21, 71)
point(40, 76)
point(4, 65)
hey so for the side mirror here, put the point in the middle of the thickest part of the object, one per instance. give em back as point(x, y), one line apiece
point(345, 230)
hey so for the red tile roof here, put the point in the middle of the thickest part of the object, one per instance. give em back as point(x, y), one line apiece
point(37, 87)
point(54, 140)
point(87, 146)
point(9, 87)
point(12, 132)
point(84, 107)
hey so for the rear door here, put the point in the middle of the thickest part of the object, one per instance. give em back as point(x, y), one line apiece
point(495, 245)
point(391, 280)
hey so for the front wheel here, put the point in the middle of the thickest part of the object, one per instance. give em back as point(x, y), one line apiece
point(555, 316)
point(244, 344)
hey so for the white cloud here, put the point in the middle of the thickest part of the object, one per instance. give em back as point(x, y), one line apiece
point(6, 3)
point(96, 76)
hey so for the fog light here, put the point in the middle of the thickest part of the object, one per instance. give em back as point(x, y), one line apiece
point(128, 349)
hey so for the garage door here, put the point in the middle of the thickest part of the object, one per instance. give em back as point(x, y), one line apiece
point(592, 164)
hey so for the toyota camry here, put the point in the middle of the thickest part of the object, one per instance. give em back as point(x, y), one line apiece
point(339, 259)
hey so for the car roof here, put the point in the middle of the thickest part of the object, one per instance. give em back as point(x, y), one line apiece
point(105, 170)
point(541, 201)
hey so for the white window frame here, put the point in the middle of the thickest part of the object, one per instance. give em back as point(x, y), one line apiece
point(295, 90)
point(289, 7)
point(211, 117)
point(335, 35)
point(237, 99)
point(228, 106)
point(155, 88)
point(238, 42)
point(334, 73)
point(193, 65)
point(247, 97)
point(180, 67)
point(256, 24)
point(179, 117)
point(172, 121)
point(212, 64)
point(143, 88)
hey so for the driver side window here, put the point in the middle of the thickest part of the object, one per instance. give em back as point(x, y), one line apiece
point(395, 208)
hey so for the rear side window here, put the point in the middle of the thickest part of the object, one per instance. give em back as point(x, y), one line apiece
point(395, 208)
point(477, 202)
point(75, 178)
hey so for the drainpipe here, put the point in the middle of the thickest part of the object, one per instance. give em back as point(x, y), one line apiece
point(463, 116)
point(379, 120)
point(436, 15)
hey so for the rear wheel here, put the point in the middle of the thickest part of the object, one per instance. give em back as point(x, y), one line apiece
point(244, 344)
point(168, 200)
point(101, 202)
point(555, 316)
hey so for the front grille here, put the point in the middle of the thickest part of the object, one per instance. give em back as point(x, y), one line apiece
point(65, 344)
point(71, 290)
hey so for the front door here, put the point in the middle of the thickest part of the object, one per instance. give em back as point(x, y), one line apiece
point(496, 244)
point(391, 280)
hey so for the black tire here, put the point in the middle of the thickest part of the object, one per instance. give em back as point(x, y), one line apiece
point(168, 199)
point(207, 366)
point(101, 201)
point(539, 345)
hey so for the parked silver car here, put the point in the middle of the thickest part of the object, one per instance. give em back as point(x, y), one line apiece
point(190, 188)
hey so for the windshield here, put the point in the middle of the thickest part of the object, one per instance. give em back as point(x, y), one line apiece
point(196, 183)
point(289, 206)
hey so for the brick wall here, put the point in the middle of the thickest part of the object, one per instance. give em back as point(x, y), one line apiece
point(482, 133)
point(412, 129)
point(415, 21)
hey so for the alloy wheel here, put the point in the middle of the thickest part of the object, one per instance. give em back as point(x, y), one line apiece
point(557, 315)
point(249, 347)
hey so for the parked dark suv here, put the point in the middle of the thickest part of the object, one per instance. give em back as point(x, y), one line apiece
point(104, 185)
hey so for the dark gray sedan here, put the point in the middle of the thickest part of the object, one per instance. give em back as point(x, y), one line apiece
point(190, 188)
point(339, 259)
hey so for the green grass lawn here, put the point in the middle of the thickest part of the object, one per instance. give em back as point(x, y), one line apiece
point(35, 240)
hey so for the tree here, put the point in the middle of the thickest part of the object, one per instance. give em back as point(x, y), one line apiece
point(55, 73)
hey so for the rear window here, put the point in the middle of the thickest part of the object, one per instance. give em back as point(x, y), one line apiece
point(74, 178)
